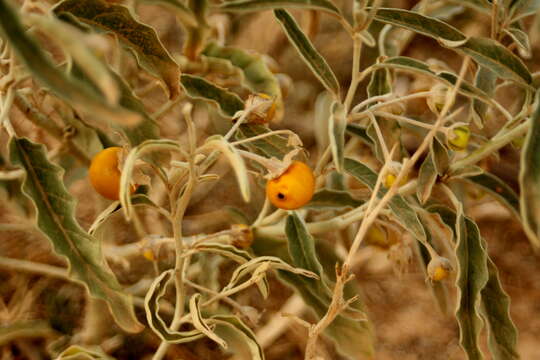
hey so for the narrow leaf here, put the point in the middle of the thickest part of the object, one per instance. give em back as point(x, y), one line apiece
point(426, 179)
point(199, 88)
point(404, 213)
point(69, 89)
point(496, 187)
point(333, 199)
point(55, 218)
point(243, 331)
point(486, 52)
point(336, 133)
point(529, 178)
point(259, 5)
point(502, 333)
point(257, 76)
point(307, 51)
point(484, 80)
point(270, 146)
point(140, 38)
point(199, 322)
point(156, 323)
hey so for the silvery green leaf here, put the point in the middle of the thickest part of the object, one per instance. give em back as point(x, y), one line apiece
point(74, 92)
point(485, 80)
point(486, 52)
point(256, 74)
point(140, 38)
point(361, 132)
point(236, 161)
point(522, 8)
point(529, 178)
point(333, 199)
point(336, 133)
point(302, 245)
point(427, 176)
point(156, 323)
point(259, 5)
point(416, 66)
point(502, 333)
point(198, 88)
point(56, 219)
point(307, 51)
point(200, 323)
point(76, 352)
point(270, 146)
point(240, 330)
point(521, 39)
point(472, 277)
point(135, 154)
point(403, 212)
point(499, 189)
point(228, 251)
point(322, 113)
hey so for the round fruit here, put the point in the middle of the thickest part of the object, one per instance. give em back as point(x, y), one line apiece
point(292, 189)
point(460, 138)
point(104, 173)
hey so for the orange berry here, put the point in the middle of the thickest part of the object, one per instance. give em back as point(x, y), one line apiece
point(104, 173)
point(292, 189)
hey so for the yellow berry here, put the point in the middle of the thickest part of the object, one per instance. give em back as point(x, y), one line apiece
point(149, 255)
point(104, 173)
point(390, 179)
point(292, 189)
point(439, 274)
point(459, 138)
point(439, 268)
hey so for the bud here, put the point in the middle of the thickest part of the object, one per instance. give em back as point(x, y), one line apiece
point(437, 99)
point(458, 137)
point(242, 236)
point(392, 173)
point(263, 108)
point(439, 268)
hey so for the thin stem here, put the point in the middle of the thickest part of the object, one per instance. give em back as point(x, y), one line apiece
point(357, 53)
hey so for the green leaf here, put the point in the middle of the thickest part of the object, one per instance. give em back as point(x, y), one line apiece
point(521, 39)
point(502, 333)
point(485, 51)
point(135, 154)
point(361, 132)
point(156, 323)
point(228, 251)
point(485, 80)
point(438, 288)
point(472, 277)
point(498, 188)
point(491, 54)
point(529, 178)
point(420, 24)
point(302, 245)
point(269, 146)
point(404, 213)
point(76, 352)
point(259, 5)
point(333, 199)
point(235, 324)
point(419, 67)
point(307, 51)
point(522, 8)
point(257, 76)
point(55, 218)
point(427, 176)
point(336, 133)
point(198, 88)
point(200, 323)
point(75, 92)
point(139, 38)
